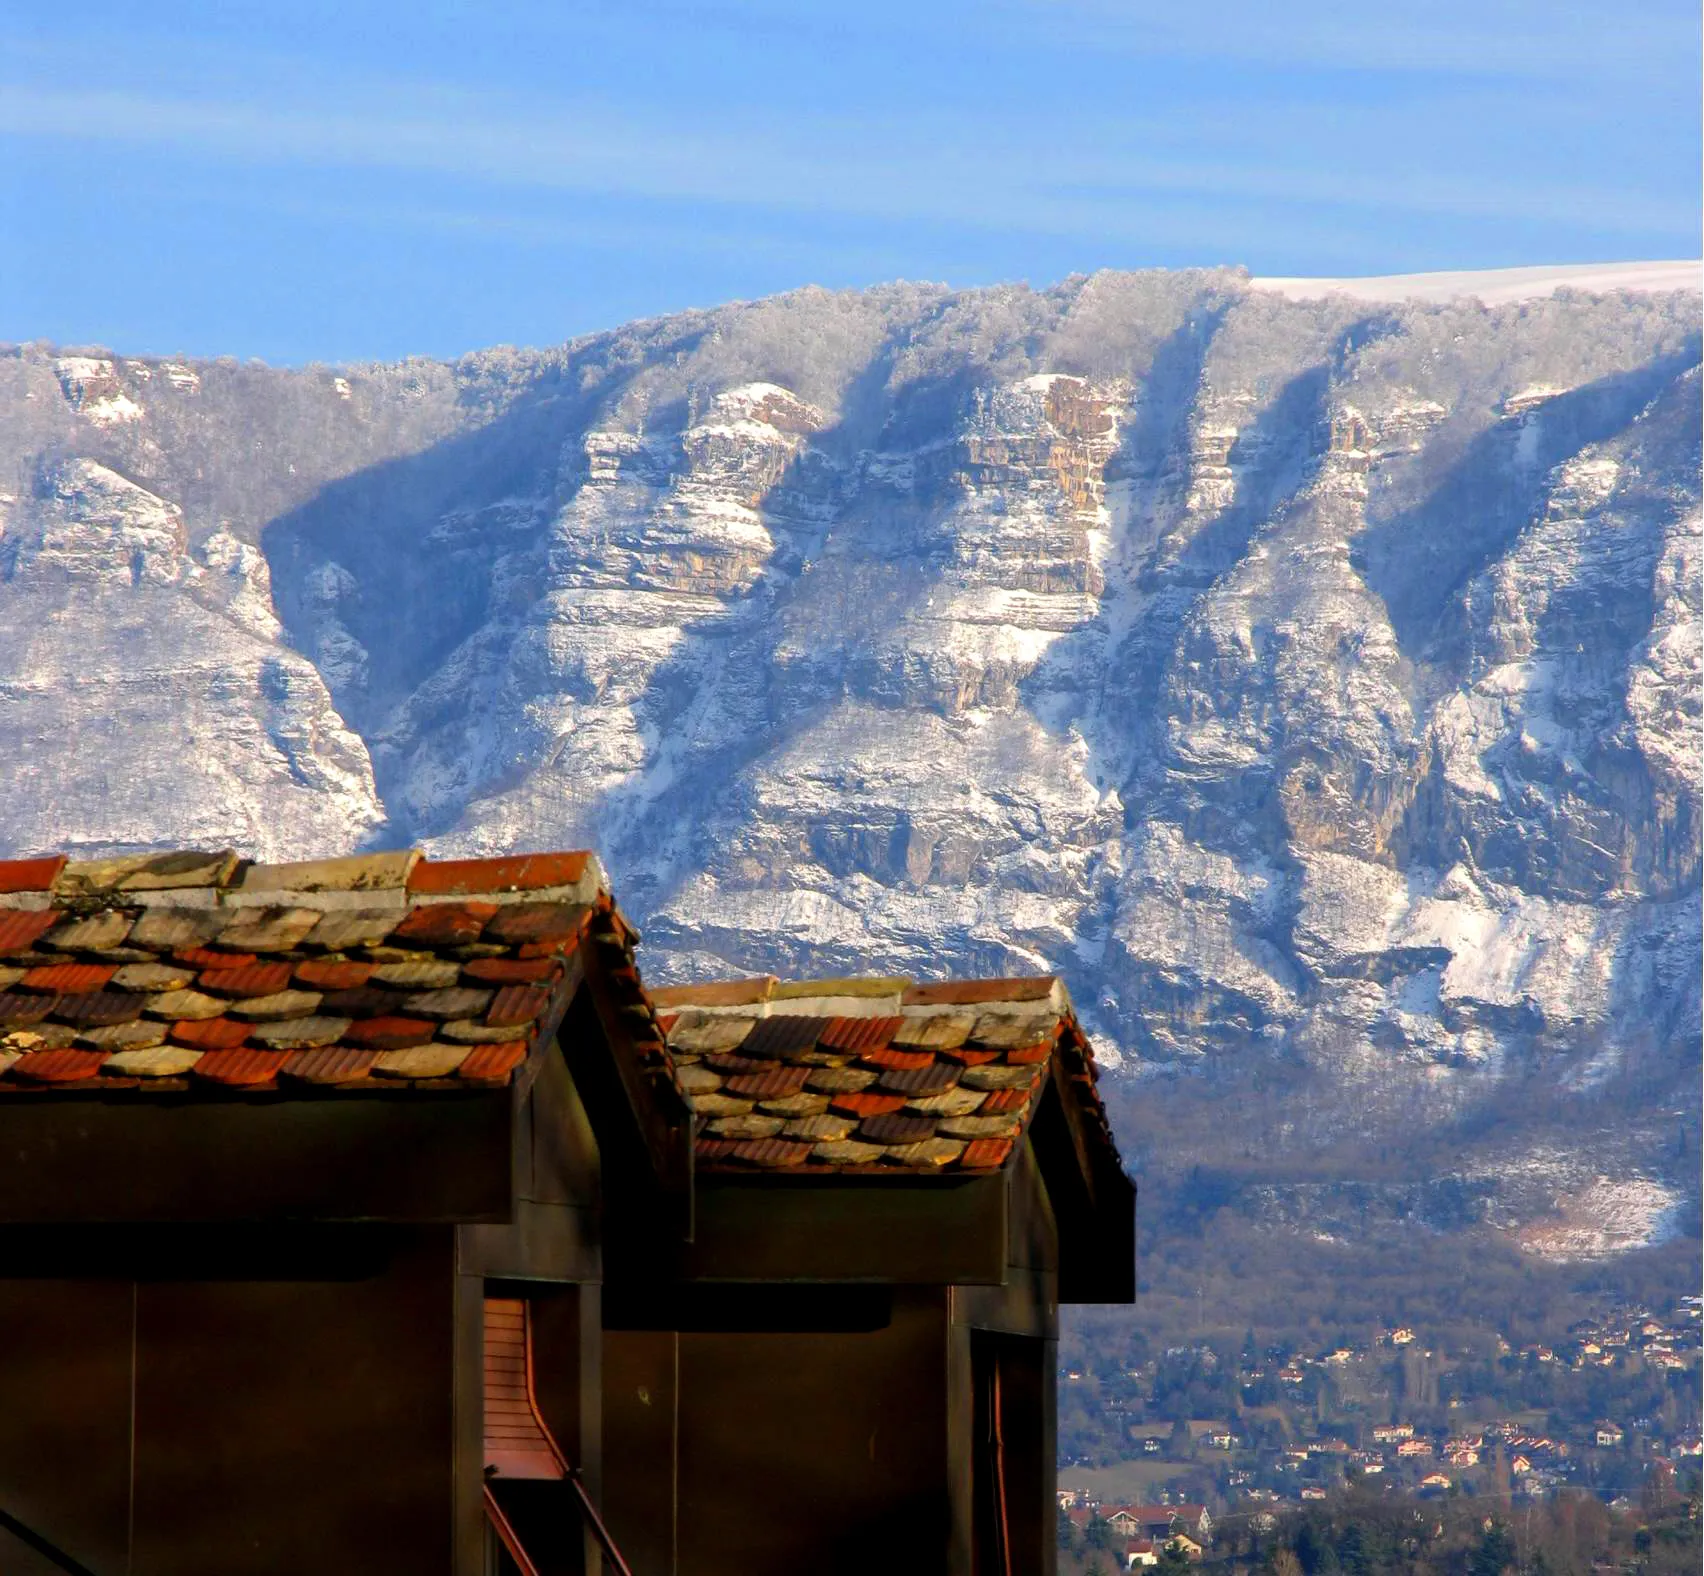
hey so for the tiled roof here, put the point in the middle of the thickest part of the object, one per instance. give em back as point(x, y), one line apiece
point(873, 1076)
point(205, 973)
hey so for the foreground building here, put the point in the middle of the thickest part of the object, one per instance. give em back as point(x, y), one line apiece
point(368, 1215)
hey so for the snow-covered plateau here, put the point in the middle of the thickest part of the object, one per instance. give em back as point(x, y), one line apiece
point(1307, 670)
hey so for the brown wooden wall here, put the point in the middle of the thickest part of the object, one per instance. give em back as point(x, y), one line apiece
point(200, 1427)
point(811, 1450)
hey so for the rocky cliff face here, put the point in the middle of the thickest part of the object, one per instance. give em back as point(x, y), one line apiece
point(1314, 684)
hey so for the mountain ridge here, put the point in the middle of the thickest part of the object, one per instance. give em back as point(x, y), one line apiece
point(1312, 682)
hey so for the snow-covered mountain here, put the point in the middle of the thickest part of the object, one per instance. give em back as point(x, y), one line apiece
point(1310, 675)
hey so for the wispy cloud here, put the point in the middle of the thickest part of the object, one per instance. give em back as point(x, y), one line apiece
point(910, 169)
point(1539, 40)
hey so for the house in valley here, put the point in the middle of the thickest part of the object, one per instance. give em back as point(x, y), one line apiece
point(369, 1215)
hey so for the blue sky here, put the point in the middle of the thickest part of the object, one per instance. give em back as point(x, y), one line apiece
point(346, 179)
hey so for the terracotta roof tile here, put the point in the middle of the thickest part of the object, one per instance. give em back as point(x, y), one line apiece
point(925, 1152)
point(444, 924)
point(165, 929)
point(248, 979)
point(380, 872)
point(165, 1061)
point(151, 978)
point(982, 1125)
point(364, 1001)
point(854, 1035)
point(137, 1035)
point(517, 1004)
point(847, 1152)
point(82, 878)
point(90, 933)
point(330, 1064)
point(389, 1034)
point(1002, 1100)
point(275, 1008)
point(892, 1059)
point(724, 993)
point(985, 1153)
point(30, 875)
point(340, 929)
point(690, 1033)
point(16, 1007)
point(53, 1067)
point(772, 1152)
point(895, 1128)
point(20, 928)
point(98, 1007)
point(420, 974)
point(933, 1079)
point(820, 1129)
point(712, 1103)
point(37, 1037)
point(865, 1104)
point(728, 1063)
point(267, 930)
point(291, 1034)
point(493, 1063)
point(972, 993)
point(188, 1004)
point(512, 971)
point(516, 873)
point(769, 1084)
point(966, 1057)
point(459, 1002)
point(939, 1031)
point(791, 1105)
point(1006, 1030)
point(200, 952)
point(325, 974)
point(950, 1102)
point(714, 1149)
point(436, 1060)
point(206, 958)
point(209, 1034)
point(1028, 1055)
point(241, 1068)
point(998, 1077)
point(840, 1080)
point(469, 1031)
point(67, 978)
point(537, 922)
point(749, 1125)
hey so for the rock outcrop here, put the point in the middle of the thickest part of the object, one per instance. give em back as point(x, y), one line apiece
point(1315, 684)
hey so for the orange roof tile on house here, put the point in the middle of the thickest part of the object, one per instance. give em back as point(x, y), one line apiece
point(206, 974)
point(212, 975)
point(874, 1076)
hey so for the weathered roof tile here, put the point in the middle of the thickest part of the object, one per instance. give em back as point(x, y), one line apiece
point(209, 1034)
point(516, 873)
point(247, 979)
point(358, 873)
point(188, 1004)
point(30, 875)
point(267, 930)
point(291, 1034)
point(281, 1005)
point(91, 932)
point(330, 1064)
point(434, 1060)
point(21, 928)
point(492, 1063)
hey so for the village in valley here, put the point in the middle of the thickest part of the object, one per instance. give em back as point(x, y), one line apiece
point(1604, 1411)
